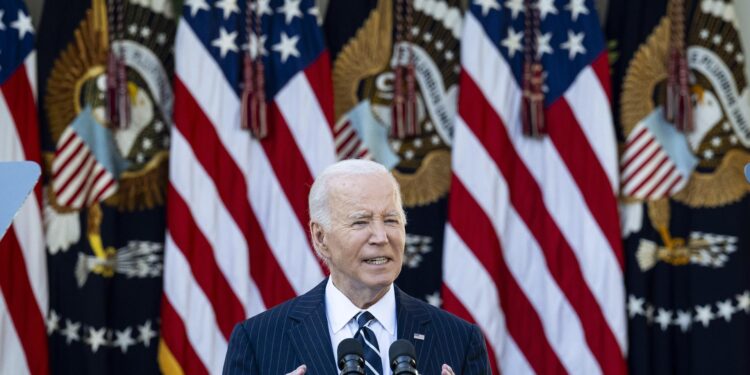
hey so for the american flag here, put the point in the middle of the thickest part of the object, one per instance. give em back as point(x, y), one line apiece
point(532, 245)
point(84, 169)
point(23, 265)
point(237, 241)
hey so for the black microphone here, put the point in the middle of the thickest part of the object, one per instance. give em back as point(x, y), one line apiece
point(350, 355)
point(403, 357)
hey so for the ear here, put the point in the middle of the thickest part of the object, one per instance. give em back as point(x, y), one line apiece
point(318, 235)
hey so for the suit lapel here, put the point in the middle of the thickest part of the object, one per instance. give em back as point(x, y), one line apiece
point(309, 332)
point(413, 325)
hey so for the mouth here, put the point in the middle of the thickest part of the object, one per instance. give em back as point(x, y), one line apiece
point(377, 261)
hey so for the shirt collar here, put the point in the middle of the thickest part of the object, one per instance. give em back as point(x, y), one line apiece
point(341, 310)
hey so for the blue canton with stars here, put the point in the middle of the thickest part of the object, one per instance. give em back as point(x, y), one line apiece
point(291, 37)
point(570, 39)
point(16, 36)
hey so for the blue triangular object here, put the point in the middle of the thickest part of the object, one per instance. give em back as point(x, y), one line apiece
point(17, 180)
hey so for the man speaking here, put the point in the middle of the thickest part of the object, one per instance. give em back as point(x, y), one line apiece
point(357, 225)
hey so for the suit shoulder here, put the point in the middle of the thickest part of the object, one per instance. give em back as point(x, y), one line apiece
point(275, 314)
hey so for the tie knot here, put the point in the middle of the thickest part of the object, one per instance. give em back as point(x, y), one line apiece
point(363, 318)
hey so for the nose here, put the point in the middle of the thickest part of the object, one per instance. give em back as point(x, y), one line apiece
point(377, 233)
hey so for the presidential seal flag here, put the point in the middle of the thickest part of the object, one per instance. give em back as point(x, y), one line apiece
point(253, 127)
point(532, 248)
point(684, 200)
point(395, 77)
point(23, 264)
point(105, 108)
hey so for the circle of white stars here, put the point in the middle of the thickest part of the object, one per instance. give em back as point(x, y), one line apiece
point(703, 315)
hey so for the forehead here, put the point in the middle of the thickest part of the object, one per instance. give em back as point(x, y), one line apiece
point(362, 193)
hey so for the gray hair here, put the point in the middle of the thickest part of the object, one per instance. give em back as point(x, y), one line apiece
point(320, 212)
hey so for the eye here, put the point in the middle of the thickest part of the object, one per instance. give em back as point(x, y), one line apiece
point(359, 223)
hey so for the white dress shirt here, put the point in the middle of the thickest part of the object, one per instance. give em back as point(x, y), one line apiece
point(341, 324)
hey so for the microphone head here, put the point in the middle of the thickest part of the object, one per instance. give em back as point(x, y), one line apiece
point(348, 347)
point(401, 348)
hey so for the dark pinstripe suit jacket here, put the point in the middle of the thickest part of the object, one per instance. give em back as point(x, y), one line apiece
point(279, 340)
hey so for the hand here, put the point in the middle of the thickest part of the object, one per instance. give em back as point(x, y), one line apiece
point(447, 370)
point(302, 369)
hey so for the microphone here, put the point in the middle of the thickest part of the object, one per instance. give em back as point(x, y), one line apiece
point(403, 358)
point(350, 355)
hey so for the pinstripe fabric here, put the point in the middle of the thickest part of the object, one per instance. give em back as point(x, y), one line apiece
point(278, 340)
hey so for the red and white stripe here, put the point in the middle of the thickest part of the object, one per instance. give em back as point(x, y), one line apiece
point(647, 170)
point(348, 144)
point(78, 179)
point(532, 248)
point(23, 264)
point(237, 241)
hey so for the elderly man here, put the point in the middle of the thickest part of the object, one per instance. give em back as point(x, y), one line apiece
point(358, 229)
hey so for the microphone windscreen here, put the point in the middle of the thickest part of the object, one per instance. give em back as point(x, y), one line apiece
point(349, 346)
point(400, 348)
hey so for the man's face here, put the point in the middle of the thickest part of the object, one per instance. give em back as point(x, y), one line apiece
point(365, 244)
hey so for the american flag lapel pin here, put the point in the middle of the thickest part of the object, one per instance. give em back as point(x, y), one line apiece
point(418, 336)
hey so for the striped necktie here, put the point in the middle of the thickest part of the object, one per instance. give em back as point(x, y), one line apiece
point(366, 337)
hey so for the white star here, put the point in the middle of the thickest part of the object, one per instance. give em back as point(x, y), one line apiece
point(515, 6)
point(704, 34)
point(145, 32)
point(434, 299)
point(427, 37)
point(53, 322)
point(439, 45)
point(132, 29)
point(704, 315)
point(196, 5)
point(726, 309)
point(546, 7)
point(663, 318)
point(22, 24)
point(435, 140)
point(743, 301)
point(574, 45)
point(225, 41)
point(716, 141)
point(708, 154)
point(739, 58)
point(290, 10)
point(258, 44)
point(161, 38)
point(684, 320)
point(96, 338)
point(287, 46)
point(228, 7)
point(2, 25)
point(512, 42)
point(487, 5)
point(576, 8)
point(123, 340)
point(729, 47)
point(635, 306)
point(262, 7)
point(716, 39)
point(145, 333)
point(449, 55)
point(71, 331)
point(315, 12)
point(543, 44)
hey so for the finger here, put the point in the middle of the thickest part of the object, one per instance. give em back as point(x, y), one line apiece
point(299, 370)
point(447, 370)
